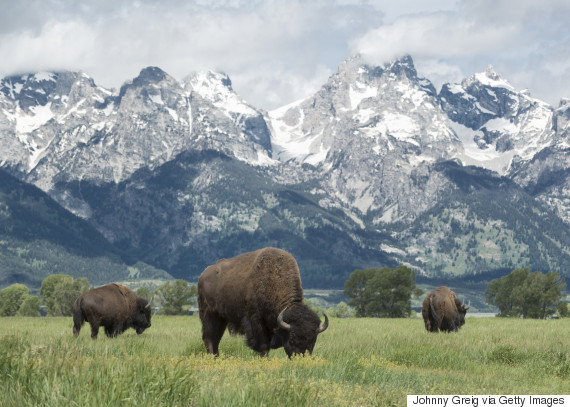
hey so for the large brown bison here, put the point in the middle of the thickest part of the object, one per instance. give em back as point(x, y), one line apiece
point(443, 311)
point(259, 295)
point(112, 306)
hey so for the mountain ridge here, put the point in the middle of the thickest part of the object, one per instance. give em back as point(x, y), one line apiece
point(39, 238)
point(366, 151)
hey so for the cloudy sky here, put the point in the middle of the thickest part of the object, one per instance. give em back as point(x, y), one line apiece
point(279, 51)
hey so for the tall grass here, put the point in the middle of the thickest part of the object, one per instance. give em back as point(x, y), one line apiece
point(357, 362)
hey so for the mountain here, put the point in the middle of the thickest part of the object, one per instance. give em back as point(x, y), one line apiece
point(508, 127)
point(484, 227)
point(372, 132)
point(376, 168)
point(205, 205)
point(547, 175)
point(38, 238)
point(70, 129)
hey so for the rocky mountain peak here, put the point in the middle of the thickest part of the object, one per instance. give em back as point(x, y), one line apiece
point(30, 90)
point(357, 68)
point(564, 103)
point(562, 118)
point(215, 81)
point(150, 77)
point(489, 78)
point(31, 100)
point(151, 74)
point(491, 73)
point(370, 147)
point(402, 66)
point(500, 126)
point(364, 117)
point(215, 88)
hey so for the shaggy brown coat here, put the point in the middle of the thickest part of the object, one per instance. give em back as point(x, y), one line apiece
point(249, 293)
point(443, 311)
point(112, 306)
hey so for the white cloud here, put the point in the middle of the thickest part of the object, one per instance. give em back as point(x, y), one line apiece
point(435, 35)
point(438, 72)
point(113, 41)
point(278, 85)
point(277, 51)
point(527, 44)
point(56, 46)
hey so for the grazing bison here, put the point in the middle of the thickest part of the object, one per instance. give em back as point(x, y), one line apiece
point(112, 306)
point(259, 295)
point(443, 311)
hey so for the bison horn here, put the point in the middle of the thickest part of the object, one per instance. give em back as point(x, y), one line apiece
point(147, 306)
point(282, 323)
point(468, 306)
point(324, 326)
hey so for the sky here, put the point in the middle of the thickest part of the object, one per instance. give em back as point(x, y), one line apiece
point(279, 51)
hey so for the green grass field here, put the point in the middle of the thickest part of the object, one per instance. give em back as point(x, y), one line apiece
point(356, 362)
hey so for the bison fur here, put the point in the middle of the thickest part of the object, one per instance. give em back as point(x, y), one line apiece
point(112, 306)
point(259, 295)
point(442, 311)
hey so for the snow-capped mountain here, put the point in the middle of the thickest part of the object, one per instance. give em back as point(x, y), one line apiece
point(508, 126)
point(151, 118)
point(62, 127)
point(372, 131)
point(547, 175)
point(179, 170)
point(385, 105)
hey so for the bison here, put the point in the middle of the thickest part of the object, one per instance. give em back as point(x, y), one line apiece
point(443, 311)
point(259, 295)
point(112, 306)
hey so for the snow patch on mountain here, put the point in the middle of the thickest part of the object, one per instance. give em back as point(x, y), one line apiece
point(400, 126)
point(359, 92)
point(43, 76)
point(472, 154)
point(28, 122)
point(492, 79)
point(216, 87)
point(288, 139)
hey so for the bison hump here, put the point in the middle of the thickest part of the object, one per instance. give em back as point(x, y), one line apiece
point(124, 290)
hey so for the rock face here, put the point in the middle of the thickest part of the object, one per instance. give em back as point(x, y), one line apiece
point(373, 133)
point(181, 173)
point(547, 175)
point(510, 127)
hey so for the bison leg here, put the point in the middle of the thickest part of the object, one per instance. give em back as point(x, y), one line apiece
point(435, 324)
point(110, 331)
point(78, 321)
point(94, 330)
point(448, 326)
point(257, 338)
point(213, 328)
point(114, 329)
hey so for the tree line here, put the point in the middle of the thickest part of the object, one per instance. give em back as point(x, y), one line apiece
point(374, 292)
point(58, 292)
point(385, 292)
point(528, 295)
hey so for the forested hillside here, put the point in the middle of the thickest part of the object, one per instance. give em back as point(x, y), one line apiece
point(39, 238)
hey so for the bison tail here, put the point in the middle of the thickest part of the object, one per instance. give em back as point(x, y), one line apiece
point(433, 313)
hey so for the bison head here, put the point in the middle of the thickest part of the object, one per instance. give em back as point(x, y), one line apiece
point(298, 327)
point(461, 311)
point(141, 317)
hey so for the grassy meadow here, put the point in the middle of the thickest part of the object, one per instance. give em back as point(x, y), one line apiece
point(356, 362)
